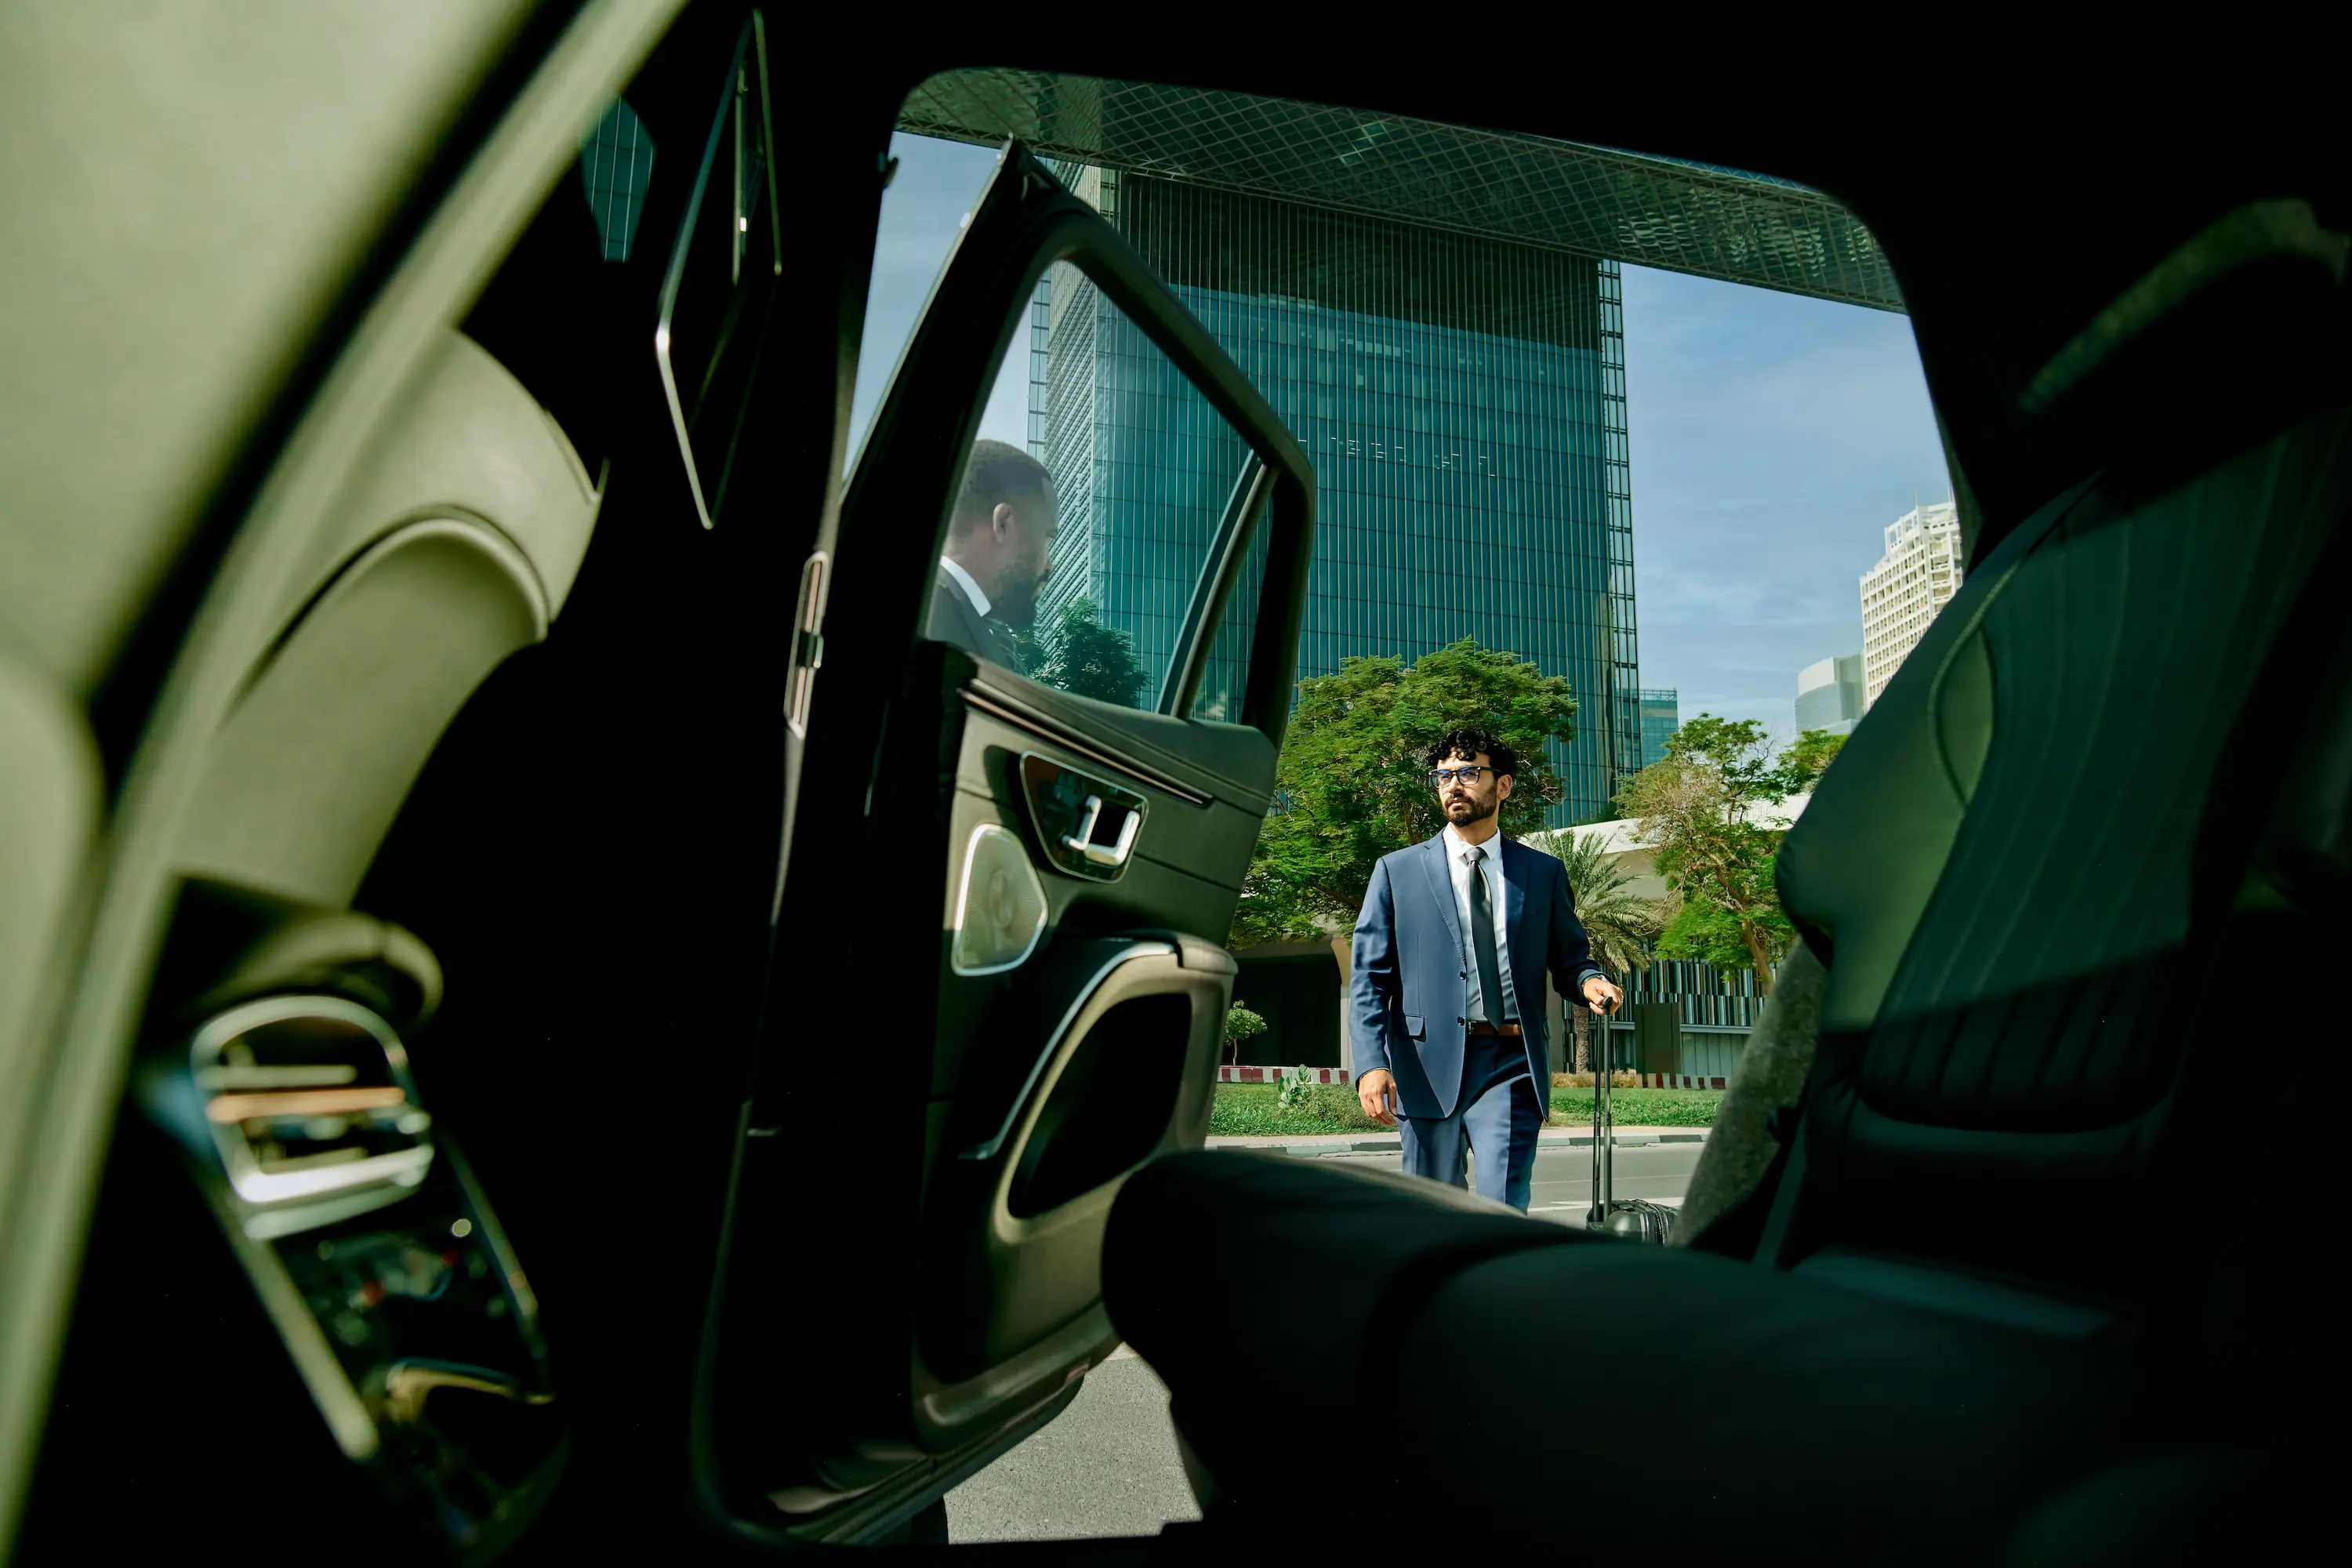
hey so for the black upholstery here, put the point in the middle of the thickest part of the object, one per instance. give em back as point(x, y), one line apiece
point(2012, 1098)
point(1362, 1340)
point(1359, 1252)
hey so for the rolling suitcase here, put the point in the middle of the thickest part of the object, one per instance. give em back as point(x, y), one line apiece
point(1635, 1218)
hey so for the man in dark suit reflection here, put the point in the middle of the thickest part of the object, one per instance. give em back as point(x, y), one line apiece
point(999, 554)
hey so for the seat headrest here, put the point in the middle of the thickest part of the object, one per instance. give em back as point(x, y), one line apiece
point(2241, 330)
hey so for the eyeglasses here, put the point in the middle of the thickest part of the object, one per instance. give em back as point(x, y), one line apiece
point(1440, 777)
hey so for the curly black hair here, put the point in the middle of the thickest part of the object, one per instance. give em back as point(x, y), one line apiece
point(1469, 743)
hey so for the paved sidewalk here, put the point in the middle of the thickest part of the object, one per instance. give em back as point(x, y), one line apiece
point(1390, 1143)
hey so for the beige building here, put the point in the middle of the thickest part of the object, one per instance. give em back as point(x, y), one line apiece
point(1914, 579)
point(1629, 855)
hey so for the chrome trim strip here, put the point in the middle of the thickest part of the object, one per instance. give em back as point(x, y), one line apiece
point(1213, 589)
point(988, 1149)
point(755, 35)
point(389, 1175)
point(995, 703)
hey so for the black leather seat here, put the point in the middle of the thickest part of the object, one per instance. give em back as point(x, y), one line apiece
point(2009, 1066)
point(1350, 1338)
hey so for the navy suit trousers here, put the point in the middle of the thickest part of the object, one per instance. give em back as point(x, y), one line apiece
point(1496, 1120)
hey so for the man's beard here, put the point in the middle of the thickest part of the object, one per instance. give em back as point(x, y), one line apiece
point(1016, 596)
point(1477, 811)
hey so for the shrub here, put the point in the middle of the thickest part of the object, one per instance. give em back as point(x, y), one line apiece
point(1241, 1024)
point(1639, 1106)
point(1624, 1077)
point(1296, 1090)
point(1253, 1108)
point(1337, 1102)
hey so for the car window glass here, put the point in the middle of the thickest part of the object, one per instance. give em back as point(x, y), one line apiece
point(616, 166)
point(1089, 507)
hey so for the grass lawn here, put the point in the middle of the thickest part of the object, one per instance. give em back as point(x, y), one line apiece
point(1248, 1110)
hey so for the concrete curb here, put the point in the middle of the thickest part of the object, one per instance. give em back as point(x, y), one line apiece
point(1246, 1074)
point(1396, 1145)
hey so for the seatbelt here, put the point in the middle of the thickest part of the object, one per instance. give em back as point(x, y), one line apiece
point(1785, 1127)
point(1784, 1196)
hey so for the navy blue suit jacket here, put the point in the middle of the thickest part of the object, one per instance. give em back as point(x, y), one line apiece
point(1409, 994)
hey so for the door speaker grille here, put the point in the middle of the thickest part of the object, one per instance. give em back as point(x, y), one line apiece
point(1000, 905)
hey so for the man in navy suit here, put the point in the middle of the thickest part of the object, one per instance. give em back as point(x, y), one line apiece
point(1447, 1000)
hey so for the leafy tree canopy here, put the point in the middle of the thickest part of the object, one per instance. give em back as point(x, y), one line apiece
point(1089, 659)
point(1352, 785)
point(1714, 935)
point(1621, 925)
point(1805, 762)
point(1703, 806)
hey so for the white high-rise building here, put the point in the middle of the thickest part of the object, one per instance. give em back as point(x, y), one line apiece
point(1916, 578)
point(1829, 695)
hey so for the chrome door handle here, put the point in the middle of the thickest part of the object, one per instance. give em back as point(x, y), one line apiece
point(1104, 854)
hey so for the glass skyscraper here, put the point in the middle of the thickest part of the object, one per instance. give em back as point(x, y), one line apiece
point(1661, 717)
point(1463, 401)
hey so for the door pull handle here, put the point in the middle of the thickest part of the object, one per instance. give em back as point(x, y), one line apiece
point(1083, 841)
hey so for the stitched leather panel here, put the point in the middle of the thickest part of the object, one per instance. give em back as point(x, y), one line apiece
point(2121, 651)
point(2084, 1052)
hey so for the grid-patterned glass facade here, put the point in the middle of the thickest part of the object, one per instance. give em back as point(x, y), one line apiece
point(1661, 717)
point(616, 163)
point(1700, 218)
point(1461, 399)
point(1142, 465)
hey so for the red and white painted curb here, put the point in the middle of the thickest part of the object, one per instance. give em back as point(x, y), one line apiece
point(1341, 1075)
point(1275, 1075)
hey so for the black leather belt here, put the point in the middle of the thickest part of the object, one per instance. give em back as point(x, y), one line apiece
point(1511, 1031)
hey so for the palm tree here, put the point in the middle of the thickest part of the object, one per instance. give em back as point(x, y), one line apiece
point(1621, 925)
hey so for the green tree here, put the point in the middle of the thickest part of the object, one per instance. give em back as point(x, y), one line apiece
point(1703, 806)
point(1809, 758)
point(1621, 926)
point(1709, 933)
point(1353, 784)
point(1087, 658)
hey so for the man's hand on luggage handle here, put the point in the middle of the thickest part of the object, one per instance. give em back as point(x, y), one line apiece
point(1376, 1090)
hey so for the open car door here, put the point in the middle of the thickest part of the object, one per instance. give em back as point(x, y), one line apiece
point(999, 979)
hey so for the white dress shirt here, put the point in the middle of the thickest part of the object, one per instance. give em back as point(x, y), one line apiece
point(1491, 868)
point(979, 599)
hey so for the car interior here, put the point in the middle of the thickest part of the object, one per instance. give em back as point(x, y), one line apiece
point(467, 1087)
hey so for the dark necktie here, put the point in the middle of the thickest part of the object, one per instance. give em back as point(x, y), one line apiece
point(1482, 939)
point(1000, 646)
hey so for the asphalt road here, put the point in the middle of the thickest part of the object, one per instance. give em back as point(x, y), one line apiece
point(1107, 1466)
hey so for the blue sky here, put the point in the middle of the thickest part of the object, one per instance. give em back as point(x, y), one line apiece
point(1773, 437)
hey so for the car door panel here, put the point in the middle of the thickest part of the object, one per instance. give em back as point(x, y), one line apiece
point(1088, 859)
